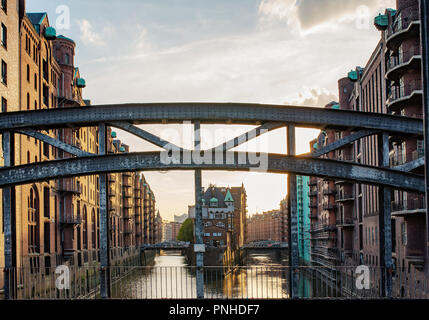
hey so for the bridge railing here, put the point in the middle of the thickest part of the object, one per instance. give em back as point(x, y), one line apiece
point(241, 282)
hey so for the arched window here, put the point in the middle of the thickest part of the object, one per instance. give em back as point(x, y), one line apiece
point(28, 72)
point(93, 230)
point(33, 221)
point(85, 228)
point(28, 101)
point(66, 59)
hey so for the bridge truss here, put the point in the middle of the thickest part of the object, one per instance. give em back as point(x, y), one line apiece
point(265, 117)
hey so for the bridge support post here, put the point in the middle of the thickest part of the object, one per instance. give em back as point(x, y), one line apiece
point(199, 243)
point(292, 220)
point(104, 220)
point(424, 36)
point(9, 221)
point(385, 222)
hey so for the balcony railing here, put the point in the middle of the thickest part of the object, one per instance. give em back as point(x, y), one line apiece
point(346, 157)
point(344, 197)
point(403, 91)
point(408, 205)
point(329, 253)
point(69, 185)
point(400, 157)
point(71, 220)
point(403, 58)
point(403, 22)
point(345, 222)
point(419, 153)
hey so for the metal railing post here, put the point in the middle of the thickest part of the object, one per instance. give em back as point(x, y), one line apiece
point(105, 289)
point(9, 221)
point(385, 223)
point(199, 244)
point(293, 219)
point(424, 38)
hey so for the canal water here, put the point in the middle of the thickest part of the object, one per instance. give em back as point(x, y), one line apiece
point(264, 276)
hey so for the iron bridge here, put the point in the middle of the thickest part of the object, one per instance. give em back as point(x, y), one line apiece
point(266, 118)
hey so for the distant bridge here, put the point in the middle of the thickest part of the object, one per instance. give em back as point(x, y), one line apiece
point(265, 245)
point(168, 245)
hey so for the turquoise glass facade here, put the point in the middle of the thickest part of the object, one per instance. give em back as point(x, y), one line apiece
point(303, 218)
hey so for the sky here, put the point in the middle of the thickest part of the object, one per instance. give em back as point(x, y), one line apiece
point(256, 51)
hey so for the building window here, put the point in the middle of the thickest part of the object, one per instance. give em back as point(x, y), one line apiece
point(46, 202)
point(33, 222)
point(3, 105)
point(85, 228)
point(46, 149)
point(4, 72)
point(46, 95)
point(35, 81)
point(28, 73)
point(3, 35)
point(28, 101)
point(404, 233)
point(45, 70)
point(93, 229)
point(4, 5)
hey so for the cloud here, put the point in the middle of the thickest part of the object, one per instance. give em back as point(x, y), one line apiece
point(310, 13)
point(89, 36)
point(315, 97)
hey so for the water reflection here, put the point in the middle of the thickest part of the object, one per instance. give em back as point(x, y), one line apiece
point(171, 277)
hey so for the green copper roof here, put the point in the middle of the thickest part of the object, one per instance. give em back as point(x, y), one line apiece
point(228, 197)
point(50, 33)
point(336, 107)
point(381, 22)
point(113, 134)
point(213, 199)
point(353, 75)
point(80, 82)
point(316, 146)
point(122, 149)
point(64, 38)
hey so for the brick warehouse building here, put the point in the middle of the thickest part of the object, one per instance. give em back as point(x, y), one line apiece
point(264, 226)
point(344, 215)
point(57, 222)
point(224, 210)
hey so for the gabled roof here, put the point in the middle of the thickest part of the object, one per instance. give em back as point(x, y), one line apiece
point(36, 19)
